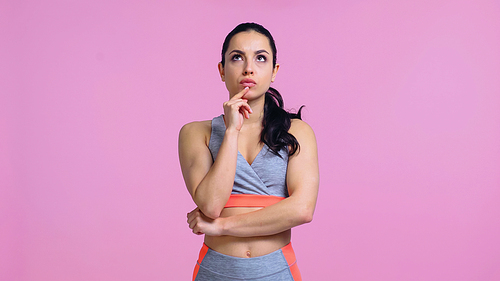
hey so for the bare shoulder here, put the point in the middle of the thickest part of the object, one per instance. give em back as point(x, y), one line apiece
point(196, 130)
point(300, 129)
point(196, 127)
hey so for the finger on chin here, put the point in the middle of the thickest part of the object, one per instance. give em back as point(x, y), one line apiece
point(241, 93)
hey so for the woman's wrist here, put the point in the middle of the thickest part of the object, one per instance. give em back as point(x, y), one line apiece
point(222, 225)
point(232, 132)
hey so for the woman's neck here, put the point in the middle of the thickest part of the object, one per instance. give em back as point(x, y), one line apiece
point(258, 111)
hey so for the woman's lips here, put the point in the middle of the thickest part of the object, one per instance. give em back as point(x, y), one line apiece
point(247, 83)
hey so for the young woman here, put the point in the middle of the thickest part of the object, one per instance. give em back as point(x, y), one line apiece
point(252, 172)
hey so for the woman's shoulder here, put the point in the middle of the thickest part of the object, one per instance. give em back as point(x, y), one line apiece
point(300, 127)
point(304, 134)
point(198, 125)
point(196, 129)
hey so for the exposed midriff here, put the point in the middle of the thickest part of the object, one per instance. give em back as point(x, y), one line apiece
point(245, 247)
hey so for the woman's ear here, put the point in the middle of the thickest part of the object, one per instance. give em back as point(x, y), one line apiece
point(275, 71)
point(221, 72)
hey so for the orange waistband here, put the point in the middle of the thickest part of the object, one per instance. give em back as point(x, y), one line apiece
point(252, 200)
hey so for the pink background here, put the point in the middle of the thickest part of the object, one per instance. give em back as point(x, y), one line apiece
point(404, 97)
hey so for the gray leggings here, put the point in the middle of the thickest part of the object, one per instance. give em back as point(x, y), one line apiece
point(279, 265)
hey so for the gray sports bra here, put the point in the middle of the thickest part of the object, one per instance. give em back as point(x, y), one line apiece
point(266, 175)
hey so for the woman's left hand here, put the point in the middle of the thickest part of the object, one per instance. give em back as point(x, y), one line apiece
point(201, 224)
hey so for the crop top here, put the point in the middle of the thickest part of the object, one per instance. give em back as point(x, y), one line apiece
point(265, 176)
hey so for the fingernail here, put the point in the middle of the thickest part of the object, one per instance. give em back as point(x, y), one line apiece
point(246, 88)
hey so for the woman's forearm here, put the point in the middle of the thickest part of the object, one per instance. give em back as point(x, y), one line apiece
point(214, 190)
point(270, 220)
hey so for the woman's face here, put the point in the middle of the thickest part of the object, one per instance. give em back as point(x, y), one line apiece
point(249, 63)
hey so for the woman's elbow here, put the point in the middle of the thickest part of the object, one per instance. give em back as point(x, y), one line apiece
point(210, 211)
point(305, 215)
point(308, 217)
point(208, 207)
point(213, 215)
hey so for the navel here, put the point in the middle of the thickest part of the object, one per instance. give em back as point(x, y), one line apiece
point(249, 254)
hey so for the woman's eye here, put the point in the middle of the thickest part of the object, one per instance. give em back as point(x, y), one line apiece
point(236, 57)
point(261, 58)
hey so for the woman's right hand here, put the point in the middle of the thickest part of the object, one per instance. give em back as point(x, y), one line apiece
point(236, 109)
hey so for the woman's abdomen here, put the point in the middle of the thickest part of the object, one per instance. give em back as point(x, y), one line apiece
point(246, 247)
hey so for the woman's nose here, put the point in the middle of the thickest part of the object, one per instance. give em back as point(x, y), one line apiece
point(248, 69)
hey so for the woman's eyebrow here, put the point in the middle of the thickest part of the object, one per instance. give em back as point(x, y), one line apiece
point(237, 51)
point(256, 52)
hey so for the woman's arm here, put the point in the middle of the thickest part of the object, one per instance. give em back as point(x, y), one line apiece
point(210, 184)
point(302, 181)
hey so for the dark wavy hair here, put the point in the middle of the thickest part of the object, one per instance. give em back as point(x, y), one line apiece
point(277, 120)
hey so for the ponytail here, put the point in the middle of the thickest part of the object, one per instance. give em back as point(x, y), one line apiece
point(276, 123)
